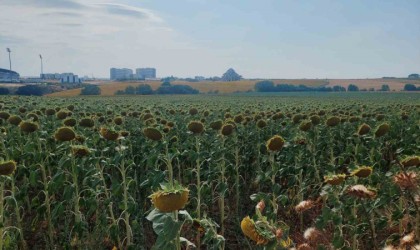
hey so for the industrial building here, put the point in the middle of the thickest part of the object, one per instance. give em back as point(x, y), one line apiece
point(8, 76)
point(121, 74)
point(146, 73)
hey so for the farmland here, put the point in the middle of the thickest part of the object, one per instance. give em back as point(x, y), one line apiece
point(109, 88)
point(333, 171)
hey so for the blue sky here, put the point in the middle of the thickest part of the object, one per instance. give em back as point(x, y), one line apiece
point(260, 39)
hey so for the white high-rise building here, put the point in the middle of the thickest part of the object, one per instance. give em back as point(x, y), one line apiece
point(146, 73)
point(120, 74)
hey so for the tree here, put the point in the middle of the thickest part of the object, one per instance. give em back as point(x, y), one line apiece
point(4, 91)
point(30, 90)
point(91, 90)
point(410, 87)
point(385, 87)
point(144, 89)
point(130, 90)
point(337, 88)
point(230, 75)
point(264, 86)
point(352, 87)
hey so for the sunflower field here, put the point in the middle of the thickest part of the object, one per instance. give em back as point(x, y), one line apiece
point(289, 171)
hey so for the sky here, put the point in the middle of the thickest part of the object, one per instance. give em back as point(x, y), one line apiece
point(186, 38)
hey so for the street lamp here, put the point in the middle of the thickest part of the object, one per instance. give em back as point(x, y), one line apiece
point(42, 67)
point(10, 64)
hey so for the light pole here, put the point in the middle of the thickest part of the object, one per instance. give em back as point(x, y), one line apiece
point(42, 67)
point(10, 64)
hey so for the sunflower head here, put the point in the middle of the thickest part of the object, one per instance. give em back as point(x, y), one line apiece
point(381, 130)
point(335, 180)
point(4, 115)
point(411, 161)
point(50, 112)
point(227, 129)
point(170, 199)
point(361, 191)
point(333, 121)
point(362, 171)
point(363, 129)
point(86, 122)
point(80, 151)
point(152, 133)
point(305, 126)
point(196, 127)
point(118, 120)
point(61, 115)
point(70, 122)
point(193, 111)
point(28, 126)
point(109, 134)
point(249, 229)
point(261, 124)
point(7, 167)
point(216, 125)
point(275, 143)
point(14, 120)
point(65, 134)
point(407, 180)
point(315, 119)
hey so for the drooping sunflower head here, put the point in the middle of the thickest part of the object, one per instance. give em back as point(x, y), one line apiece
point(196, 127)
point(304, 206)
point(7, 167)
point(50, 112)
point(14, 120)
point(216, 125)
point(333, 121)
point(362, 171)
point(275, 143)
point(305, 126)
point(335, 180)
point(249, 229)
point(227, 129)
point(261, 124)
point(70, 122)
point(153, 134)
point(361, 191)
point(315, 119)
point(407, 180)
point(4, 115)
point(411, 161)
point(193, 111)
point(61, 115)
point(86, 122)
point(381, 130)
point(80, 151)
point(170, 200)
point(363, 129)
point(28, 126)
point(109, 134)
point(65, 134)
point(118, 120)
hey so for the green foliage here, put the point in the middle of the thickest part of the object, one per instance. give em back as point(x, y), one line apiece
point(91, 90)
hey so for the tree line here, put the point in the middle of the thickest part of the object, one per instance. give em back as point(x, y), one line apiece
point(269, 86)
point(166, 88)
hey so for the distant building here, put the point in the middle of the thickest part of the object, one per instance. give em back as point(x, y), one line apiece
point(414, 76)
point(8, 76)
point(120, 74)
point(69, 78)
point(146, 73)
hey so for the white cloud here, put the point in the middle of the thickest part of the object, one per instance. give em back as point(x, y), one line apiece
point(82, 37)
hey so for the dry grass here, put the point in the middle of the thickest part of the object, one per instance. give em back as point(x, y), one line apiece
point(109, 88)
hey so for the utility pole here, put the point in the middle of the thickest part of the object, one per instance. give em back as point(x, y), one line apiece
point(42, 67)
point(10, 64)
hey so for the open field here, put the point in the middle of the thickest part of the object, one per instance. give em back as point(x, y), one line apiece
point(109, 88)
point(331, 170)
